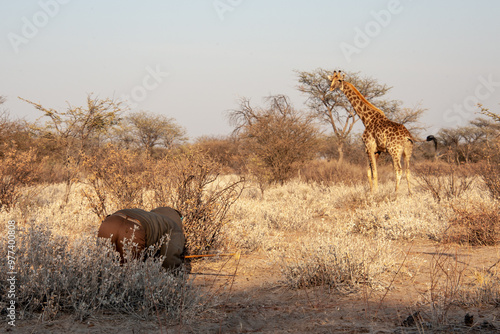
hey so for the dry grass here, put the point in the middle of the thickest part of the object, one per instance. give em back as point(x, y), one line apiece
point(342, 262)
point(336, 235)
point(491, 177)
point(475, 223)
point(445, 181)
point(482, 289)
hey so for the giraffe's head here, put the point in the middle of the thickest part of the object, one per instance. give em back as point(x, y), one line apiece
point(337, 80)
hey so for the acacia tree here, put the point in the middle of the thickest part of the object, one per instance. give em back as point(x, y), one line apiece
point(147, 130)
point(487, 112)
point(276, 139)
point(79, 128)
point(469, 143)
point(491, 174)
point(76, 131)
point(335, 110)
point(13, 133)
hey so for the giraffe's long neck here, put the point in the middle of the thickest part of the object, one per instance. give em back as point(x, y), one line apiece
point(364, 109)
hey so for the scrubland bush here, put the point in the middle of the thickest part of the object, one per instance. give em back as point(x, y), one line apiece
point(191, 182)
point(473, 218)
point(484, 289)
point(445, 181)
point(16, 170)
point(340, 262)
point(187, 180)
point(476, 223)
point(491, 178)
point(223, 150)
point(82, 276)
point(115, 175)
point(275, 140)
point(332, 172)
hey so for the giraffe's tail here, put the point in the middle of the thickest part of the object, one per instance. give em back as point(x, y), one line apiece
point(429, 138)
point(432, 138)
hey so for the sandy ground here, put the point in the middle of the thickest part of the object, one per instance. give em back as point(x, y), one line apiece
point(251, 299)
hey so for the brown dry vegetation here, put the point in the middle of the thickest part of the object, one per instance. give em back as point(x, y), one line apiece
point(310, 257)
point(309, 251)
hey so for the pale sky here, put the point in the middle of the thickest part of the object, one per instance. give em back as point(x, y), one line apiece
point(193, 59)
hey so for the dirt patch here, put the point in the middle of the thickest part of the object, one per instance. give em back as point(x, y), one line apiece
point(248, 297)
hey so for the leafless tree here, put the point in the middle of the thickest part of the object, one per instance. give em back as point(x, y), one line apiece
point(276, 139)
point(409, 117)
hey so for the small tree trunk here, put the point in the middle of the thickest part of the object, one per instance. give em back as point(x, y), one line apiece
point(340, 149)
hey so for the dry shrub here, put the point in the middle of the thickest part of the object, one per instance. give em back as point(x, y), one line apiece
point(484, 289)
point(83, 276)
point(224, 150)
point(381, 216)
point(331, 172)
point(341, 263)
point(475, 224)
point(17, 169)
point(444, 181)
point(275, 140)
point(446, 276)
point(491, 177)
point(115, 175)
point(191, 182)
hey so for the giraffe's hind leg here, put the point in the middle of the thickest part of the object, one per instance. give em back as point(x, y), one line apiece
point(372, 171)
point(398, 170)
point(407, 155)
point(396, 162)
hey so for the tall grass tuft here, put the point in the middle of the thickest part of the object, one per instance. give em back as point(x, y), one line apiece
point(341, 263)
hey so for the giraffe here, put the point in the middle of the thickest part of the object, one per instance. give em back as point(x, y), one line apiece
point(380, 135)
